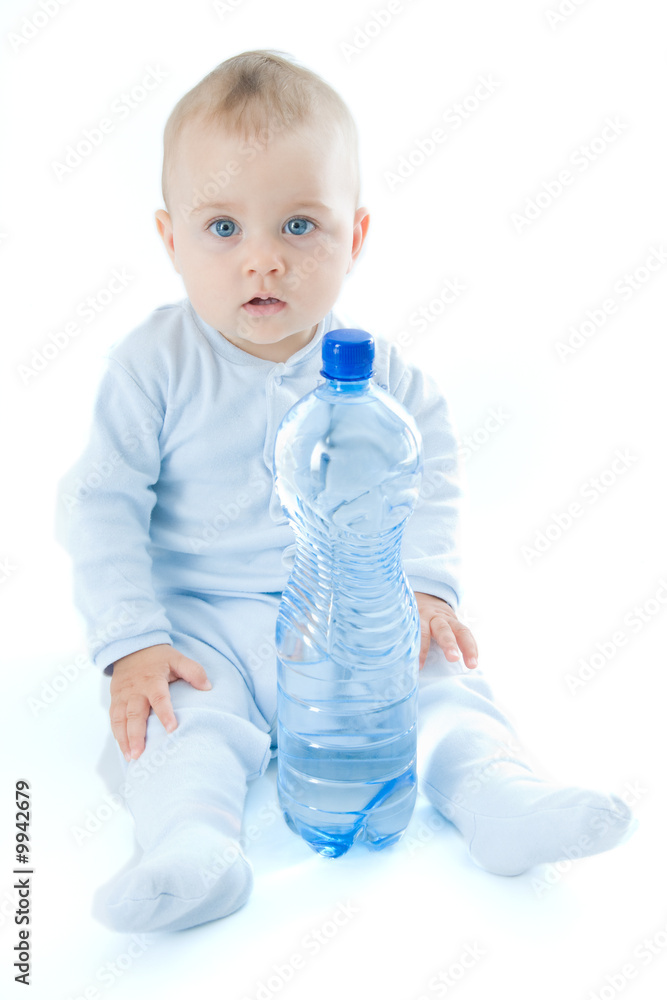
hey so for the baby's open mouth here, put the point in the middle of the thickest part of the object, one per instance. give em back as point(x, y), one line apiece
point(264, 306)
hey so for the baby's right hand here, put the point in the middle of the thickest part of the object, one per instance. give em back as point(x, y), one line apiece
point(140, 681)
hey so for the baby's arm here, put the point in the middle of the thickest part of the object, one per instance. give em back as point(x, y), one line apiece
point(140, 681)
point(105, 509)
point(430, 548)
point(431, 540)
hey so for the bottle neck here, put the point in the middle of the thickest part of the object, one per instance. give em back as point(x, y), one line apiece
point(344, 386)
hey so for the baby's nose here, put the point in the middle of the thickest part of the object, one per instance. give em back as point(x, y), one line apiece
point(264, 257)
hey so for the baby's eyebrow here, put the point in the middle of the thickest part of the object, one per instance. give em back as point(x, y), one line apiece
point(314, 204)
point(229, 206)
point(213, 206)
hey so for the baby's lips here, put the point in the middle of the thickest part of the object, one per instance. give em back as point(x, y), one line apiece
point(258, 306)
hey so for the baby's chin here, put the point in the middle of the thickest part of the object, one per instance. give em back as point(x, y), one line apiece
point(270, 344)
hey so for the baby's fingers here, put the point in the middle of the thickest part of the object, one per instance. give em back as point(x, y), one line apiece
point(138, 708)
point(190, 671)
point(425, 643)
point(467, 645)
point(118, 717)
point(163, 708)
point(444, 636)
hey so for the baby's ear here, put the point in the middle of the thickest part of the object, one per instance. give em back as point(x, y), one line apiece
point(361, 221)
point(166, 231)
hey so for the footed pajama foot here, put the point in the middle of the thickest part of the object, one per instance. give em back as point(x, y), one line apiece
point(197, 874)
point(520, 820)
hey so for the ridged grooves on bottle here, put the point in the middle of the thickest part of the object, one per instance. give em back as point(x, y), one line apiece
point(343, 570)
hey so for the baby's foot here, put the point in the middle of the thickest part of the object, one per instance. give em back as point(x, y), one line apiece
point(196, 874)
point(519, 820)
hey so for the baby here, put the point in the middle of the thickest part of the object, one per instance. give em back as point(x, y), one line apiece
point(180, 548)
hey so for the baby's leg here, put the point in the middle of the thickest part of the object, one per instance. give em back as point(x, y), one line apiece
point(472, 769)
point(186, 793)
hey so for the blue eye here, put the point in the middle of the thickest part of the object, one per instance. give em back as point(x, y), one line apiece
point(223, 227)
point(296, 227)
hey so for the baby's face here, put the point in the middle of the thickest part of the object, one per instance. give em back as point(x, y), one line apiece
point(262, 234)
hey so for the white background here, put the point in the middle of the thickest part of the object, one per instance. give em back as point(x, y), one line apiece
point(494, 350)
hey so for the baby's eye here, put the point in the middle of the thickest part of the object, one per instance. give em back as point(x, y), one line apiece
point(223, 227)
point(297, 227)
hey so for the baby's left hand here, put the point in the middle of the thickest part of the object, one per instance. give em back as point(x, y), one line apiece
point(438, 620)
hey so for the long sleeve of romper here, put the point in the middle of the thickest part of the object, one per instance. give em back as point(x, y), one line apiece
point(104, 510)
point(431, 541)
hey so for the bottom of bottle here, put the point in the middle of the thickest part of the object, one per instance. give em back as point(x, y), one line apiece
point(380, 824)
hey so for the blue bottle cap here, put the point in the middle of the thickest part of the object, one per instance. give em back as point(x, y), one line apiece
point(347, 354)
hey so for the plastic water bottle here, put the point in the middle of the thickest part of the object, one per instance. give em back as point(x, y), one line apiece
point(347, 470)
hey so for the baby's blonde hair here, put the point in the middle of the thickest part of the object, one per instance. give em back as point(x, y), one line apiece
point(259, 94)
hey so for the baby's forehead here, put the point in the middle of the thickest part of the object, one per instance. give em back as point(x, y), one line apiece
point(213, 153)
point(219, 142)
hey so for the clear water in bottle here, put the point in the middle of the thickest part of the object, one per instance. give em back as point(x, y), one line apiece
point(347, 471)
